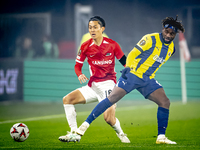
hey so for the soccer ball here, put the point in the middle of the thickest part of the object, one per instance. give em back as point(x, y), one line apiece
point(19, 132)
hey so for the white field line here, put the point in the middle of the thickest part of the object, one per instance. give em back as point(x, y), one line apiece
point(78, 113)
point(32, 119)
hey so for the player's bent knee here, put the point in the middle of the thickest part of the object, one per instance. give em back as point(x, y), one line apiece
point(165, 103)
point(67, 99)
point(168, 103)
point(74, 98)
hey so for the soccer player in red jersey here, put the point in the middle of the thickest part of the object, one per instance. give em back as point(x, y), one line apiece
point(100, 53)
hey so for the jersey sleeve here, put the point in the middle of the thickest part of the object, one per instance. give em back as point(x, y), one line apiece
point(118, 51)
point(131, 56)
point(78, 69)
point(144, 44)
point(79, 61)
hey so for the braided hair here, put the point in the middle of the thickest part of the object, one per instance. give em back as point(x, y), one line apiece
point(169, 21)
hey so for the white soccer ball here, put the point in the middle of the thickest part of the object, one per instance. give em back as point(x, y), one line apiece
point(19, 132)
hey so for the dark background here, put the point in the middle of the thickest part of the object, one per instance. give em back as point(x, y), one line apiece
point(126, 20)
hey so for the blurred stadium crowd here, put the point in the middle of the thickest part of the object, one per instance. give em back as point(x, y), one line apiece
point(25, 36)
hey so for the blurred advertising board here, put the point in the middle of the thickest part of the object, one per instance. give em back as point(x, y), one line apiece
point(11, 80)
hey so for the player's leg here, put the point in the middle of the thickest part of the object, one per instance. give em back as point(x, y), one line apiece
point(109, 116)
point(75, 97)
point(160, 98)
point(71, 99)
point(122, 87)
point(80, 96)
point(114, 97)
point(103, 89)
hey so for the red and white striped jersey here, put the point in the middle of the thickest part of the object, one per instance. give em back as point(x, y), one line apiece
point(101, 59)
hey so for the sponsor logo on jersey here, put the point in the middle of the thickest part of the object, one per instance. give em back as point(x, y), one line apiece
point(159, 59)
point(103, 62)
point(169, 54)
point(108, 54)
point(142, 43)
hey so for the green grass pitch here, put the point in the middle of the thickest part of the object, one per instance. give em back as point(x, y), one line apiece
point(46, 122)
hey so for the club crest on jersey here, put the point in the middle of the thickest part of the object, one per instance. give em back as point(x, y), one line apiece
point(108, 54)
point(142, 43)
point(79, 52)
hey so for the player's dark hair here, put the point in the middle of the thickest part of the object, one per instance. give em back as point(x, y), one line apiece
point(173, 22)
point(99, 19)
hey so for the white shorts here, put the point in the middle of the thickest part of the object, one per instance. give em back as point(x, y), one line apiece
point(98, 91)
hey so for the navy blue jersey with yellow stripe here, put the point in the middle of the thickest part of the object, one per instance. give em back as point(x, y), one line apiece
point(149, 55)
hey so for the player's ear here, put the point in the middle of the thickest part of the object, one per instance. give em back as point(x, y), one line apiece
point(102, 28)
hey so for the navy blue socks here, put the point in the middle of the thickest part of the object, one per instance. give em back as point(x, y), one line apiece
point(162, 115)
point(162, 118)
point(98, 110)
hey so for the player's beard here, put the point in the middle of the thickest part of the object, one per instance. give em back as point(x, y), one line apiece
point(167, 40)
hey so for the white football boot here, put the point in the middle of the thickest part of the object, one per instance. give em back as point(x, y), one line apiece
point(70, 137)
point(123, 137)
point(81, 130)
point(162, 139)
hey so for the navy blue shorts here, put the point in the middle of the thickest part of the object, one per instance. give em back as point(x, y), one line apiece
point(145, 86)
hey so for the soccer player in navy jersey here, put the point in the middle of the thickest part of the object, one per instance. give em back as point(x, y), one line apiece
point(100, 53)
point(149, 54)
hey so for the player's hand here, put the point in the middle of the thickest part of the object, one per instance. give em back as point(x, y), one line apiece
point(82, 78)
point(125, 71)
